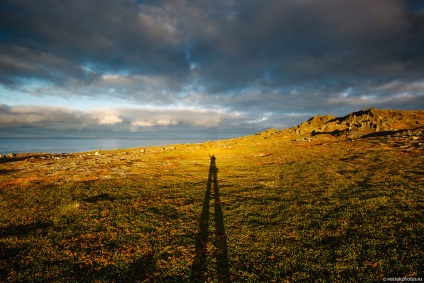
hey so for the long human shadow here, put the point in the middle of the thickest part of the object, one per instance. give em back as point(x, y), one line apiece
point(199, 266)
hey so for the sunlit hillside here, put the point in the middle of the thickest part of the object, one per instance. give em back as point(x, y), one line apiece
point(331, 200)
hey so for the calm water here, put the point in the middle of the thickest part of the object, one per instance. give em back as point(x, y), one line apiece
point(68, 145)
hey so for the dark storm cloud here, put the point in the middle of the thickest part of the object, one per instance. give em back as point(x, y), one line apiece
point(105, 35)
point(251, 56)
point(20, 65)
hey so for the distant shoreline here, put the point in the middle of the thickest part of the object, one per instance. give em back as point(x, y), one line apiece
point(75, 144)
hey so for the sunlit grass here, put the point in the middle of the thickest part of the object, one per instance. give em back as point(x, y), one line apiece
point(326, 211)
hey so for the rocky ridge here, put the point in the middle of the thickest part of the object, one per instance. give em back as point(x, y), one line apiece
point(364, 123)
point(394, 128)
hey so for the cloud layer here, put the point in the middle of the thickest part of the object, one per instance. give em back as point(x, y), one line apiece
point(260, 59)
point(133, 117)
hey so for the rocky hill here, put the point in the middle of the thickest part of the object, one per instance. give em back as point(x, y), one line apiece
point(367, 122)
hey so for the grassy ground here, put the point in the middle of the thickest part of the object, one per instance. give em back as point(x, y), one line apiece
point(266, 210)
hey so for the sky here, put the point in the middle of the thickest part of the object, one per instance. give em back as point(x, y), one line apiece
point(203, 67)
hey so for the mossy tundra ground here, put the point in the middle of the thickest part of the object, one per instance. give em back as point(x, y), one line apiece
point(266, 209)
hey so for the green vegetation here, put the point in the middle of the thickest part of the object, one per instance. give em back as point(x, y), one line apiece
point(330, 210)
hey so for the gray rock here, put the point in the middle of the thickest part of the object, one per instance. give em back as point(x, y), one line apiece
point(304, 140)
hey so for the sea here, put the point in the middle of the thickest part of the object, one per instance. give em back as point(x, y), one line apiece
point(72, 145)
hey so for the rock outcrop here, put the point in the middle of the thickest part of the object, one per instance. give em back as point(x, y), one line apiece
point(362, 123)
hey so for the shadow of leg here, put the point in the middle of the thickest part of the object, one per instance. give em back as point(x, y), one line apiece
point(221, 239)
point(199, 266)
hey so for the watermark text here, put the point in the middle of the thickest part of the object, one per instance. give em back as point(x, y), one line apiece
point(402, 279)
